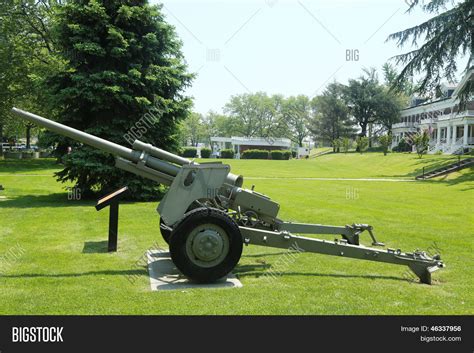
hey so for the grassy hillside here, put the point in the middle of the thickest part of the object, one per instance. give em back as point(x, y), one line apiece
point(61, 265)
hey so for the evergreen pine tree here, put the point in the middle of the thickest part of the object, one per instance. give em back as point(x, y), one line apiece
point(124, 64)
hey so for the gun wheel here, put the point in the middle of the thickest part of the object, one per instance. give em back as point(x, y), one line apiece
point(205, 245)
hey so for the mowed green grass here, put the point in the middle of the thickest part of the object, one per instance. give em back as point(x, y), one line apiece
point(60, 266)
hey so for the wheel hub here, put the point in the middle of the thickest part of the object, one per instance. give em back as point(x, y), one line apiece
point(207, 245)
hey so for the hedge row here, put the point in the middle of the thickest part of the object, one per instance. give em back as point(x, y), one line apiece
point(264, 154)
point(284, 154)
point(228, 153)
point(205, 152)
point(189, 152)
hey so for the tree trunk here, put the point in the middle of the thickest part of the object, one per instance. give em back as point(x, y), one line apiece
point(370, 135)
point(1, 139)
point(28, 136)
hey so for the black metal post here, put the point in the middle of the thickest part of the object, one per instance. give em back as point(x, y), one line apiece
point(112, 200)
point(113, 226)
point(423, 172)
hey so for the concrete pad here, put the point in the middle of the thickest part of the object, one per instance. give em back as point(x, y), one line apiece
point(165, 276)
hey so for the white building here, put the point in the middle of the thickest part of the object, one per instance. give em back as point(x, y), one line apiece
point(451, 129)
point(240, 144)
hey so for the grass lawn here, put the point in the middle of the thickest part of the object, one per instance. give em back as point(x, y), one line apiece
point(52, 259)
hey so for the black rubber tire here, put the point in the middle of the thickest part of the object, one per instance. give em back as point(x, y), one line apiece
point(183, 229)
point(165, 231)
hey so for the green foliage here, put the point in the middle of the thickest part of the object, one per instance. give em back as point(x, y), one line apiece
point(421, 141)
point(255, 154)
point(362, 143)
point(385, 141)
point(296, 113)
point(255, 115)
point(205, 152)
point(219, 125)
point(336, 145)
point(27, 56)
point(124, 63)
point(280, 154)
point(447, 36)
point(346, 144)
point(189, 152)
point(403, 146)
point(227, 153)
point(371, 102)
point(192, 130)
point(331, 118)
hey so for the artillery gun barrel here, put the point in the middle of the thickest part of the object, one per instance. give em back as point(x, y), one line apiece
point(97, 142)
point(158, 159)
point(78, 135)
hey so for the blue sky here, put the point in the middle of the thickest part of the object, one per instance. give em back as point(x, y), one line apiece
point(282, 46)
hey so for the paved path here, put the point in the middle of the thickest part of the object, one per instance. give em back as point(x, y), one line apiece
point(333, 179)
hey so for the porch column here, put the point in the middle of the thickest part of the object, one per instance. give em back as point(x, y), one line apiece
point(448, 134)
point(464, 140)
point(438, 136)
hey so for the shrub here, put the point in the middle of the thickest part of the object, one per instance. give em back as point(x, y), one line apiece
point(385, 142)
point(346, 144)
point(421, 141)
point(280, 154)
point(293, 154)
point(336, 145)
point(205, 152)
point(228, 153)
point(362, 143)
point(255, 154)
point(403, 146)
point(189, 152)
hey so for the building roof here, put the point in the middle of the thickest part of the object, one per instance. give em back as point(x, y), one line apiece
point(442, 102)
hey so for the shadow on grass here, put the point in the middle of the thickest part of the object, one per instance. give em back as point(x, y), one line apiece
point(49, 200)
point(28, 165)
point(448, 180)
point(95, 247)
point(428, 163)
point(266, 254)
point(263, 269)
point(258, 271)
point(133, 272)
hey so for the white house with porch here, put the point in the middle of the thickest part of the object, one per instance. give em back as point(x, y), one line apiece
point(451, 129)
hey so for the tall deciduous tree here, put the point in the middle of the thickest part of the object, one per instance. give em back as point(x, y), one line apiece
point(362, 96)
point(124, 61)
point(193, 129)
point(256, 115)
point(446, 37)
point(296, 113)
point(27, 56)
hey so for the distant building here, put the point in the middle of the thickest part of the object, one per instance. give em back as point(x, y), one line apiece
point(240, 144)
point(451, 130)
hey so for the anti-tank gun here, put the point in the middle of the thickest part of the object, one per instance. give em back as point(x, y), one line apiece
point(206, 216)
